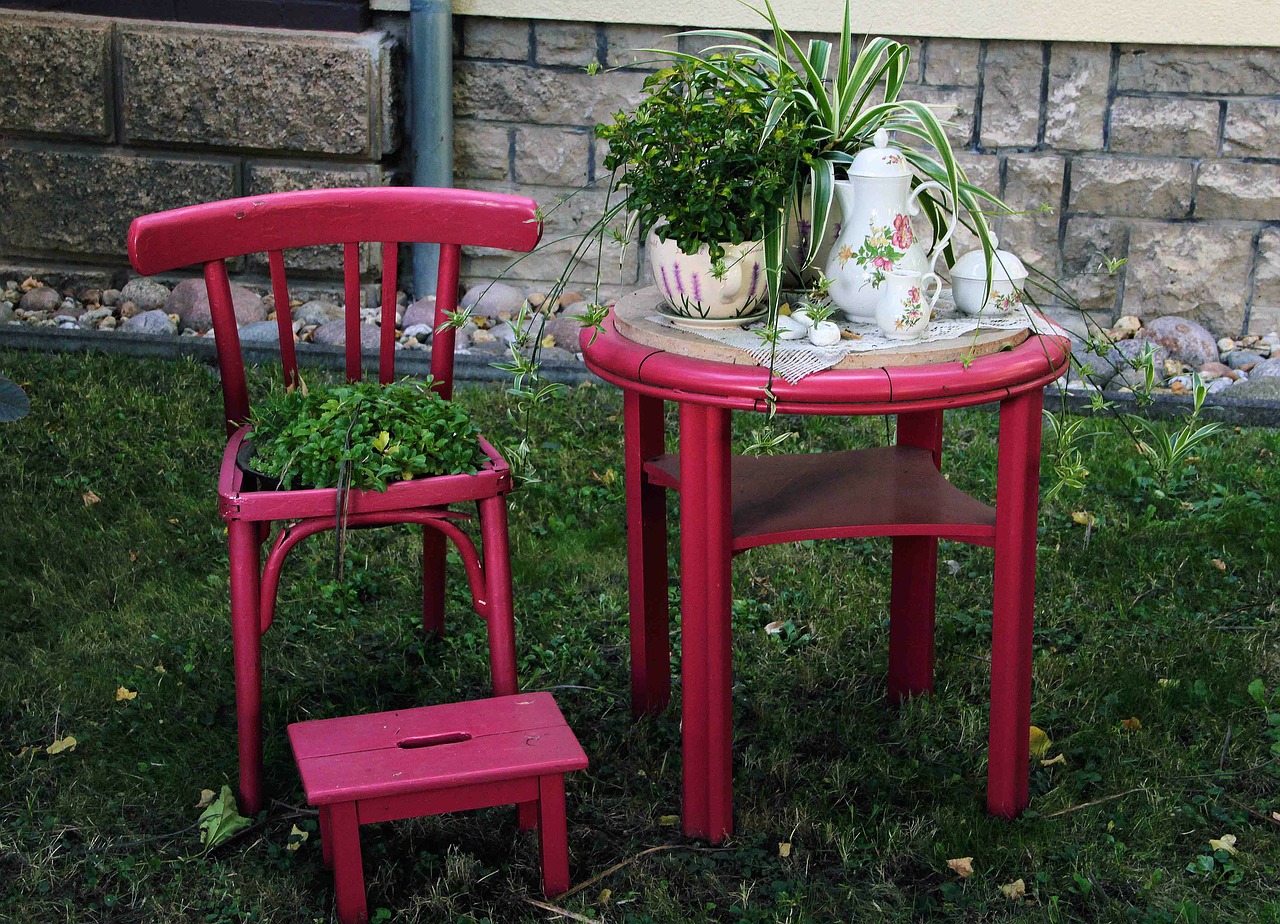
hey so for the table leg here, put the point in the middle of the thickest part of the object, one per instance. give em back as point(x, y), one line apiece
point(646, 558)
point(1017, 495)
point(913, 593)
point(706, 551)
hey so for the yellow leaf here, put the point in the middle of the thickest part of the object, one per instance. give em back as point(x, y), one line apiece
point(784, 849)
point(668, 821)
point(605, 895)
point(548, 341)
point(90, 498)
point(63, 744)
point(1131, 724)
point(297, 837)
point(124, 693)
point(1014, 890)
point(775, 627)
point(160, 669)
point(1060, 759)
point(206, 798)
point(1227, 842)
point(961, 866)
point(1220, 564)
point(1275, 816)
point(1083, 517)
point(34, 749)
point(174, 520)
point(381, 440)
point(1039, 743)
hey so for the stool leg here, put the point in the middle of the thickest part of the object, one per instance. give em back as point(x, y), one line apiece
point(348, 865)
point(326, 838)
point(646, 558)
point(553, 837)
point(246, 643)
point(527, 815)
point(433, 552)
point(1017, 494)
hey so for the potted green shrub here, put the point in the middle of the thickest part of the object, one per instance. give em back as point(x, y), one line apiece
point(704, 183)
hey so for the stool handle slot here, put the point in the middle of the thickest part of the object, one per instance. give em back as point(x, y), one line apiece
point(426, 741)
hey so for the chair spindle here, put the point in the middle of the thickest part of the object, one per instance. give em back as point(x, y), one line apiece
point(351, 278)
point(284, 319)
point(387, 348)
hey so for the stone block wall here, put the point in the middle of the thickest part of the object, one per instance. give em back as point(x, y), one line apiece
point(104, 119)
point(1163, 157)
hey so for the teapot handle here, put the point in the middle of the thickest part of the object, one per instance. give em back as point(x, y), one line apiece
point(913, 208)
point(731, 281)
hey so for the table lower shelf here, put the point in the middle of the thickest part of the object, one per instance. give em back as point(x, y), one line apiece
point(886, 491)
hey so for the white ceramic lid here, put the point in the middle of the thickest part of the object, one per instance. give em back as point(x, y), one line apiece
point(881, 160)
point(1004, 265)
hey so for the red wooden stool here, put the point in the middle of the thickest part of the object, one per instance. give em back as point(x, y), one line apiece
point(386, 766)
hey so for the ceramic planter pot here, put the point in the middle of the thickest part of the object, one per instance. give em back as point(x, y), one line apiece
point(696, 297)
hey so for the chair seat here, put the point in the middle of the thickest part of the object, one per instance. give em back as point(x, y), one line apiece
point(239, 500)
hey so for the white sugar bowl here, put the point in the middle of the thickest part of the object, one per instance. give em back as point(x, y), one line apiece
point(969, 279)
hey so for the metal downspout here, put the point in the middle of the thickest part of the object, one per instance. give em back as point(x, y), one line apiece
point(431, 121)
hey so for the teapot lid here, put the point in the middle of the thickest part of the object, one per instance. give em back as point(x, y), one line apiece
point(881, 160)
point(1004, 265)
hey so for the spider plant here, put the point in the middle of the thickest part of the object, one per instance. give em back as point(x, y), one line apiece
point(841, 113)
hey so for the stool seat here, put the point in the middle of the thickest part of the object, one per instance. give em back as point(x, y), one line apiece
point(362, 769)
point(434, 747)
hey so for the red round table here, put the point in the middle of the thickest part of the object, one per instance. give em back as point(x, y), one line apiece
point(730, 503)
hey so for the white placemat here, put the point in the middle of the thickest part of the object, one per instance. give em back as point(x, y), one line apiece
point(795, 359)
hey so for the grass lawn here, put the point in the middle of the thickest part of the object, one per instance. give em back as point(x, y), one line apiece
point(1151, 625)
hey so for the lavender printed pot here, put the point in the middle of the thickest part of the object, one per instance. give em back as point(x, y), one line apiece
point(695, 296)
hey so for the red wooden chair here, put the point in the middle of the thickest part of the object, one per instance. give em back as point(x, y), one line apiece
point(213, 233)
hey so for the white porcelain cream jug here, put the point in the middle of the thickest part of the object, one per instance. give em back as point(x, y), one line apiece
point(876, 236)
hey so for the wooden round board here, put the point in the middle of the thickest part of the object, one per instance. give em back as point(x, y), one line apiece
point(632, 313)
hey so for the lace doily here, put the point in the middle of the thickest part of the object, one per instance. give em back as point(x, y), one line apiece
point(795, 359)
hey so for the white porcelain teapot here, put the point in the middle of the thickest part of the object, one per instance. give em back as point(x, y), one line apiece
point(876, 236)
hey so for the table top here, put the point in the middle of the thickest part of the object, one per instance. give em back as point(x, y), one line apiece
point(678, 366)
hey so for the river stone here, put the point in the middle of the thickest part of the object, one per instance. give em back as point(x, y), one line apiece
point(1238, 359)
point(1268, 368)
point(334, 333)
point(489, 300)
point(1116, 367)
point(41, 298)
point(1184, 339)
point(190, 302)
point(6, 312)
point(260, 332)
point(317, 312)
point(111, 297)
point(146, 294)
point(150, 322)
point(423, 311)
point(564, 330)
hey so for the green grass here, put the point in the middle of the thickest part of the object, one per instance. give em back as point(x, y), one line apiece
point(1135, 618)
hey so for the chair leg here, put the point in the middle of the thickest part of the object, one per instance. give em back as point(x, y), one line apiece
point(326, 838)
point(553, 838)
point(1017, 494)
point(646, 558)
point(246, 638)
point(433, 552)
point(348, 864)
point(497, 575)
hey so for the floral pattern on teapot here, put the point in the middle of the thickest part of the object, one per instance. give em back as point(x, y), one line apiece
point(881, 249)
point(914, 310)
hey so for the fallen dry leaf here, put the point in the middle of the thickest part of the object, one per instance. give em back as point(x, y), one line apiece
point(775, 627)
point(124, 693)
point(63, 744)
point(1014, 890)
point(1227, 842)
point(206, 798)
point(1083, 517)
point(297, 837)
point(961, 866)
point(90, 498)
point(605, 895)
point(133, 556)
point(1220, 564)
point(1060, 759)
point(668, 821)
point(30, 283)
point(1039, 743)
point(784, 849)
point(1132, 723)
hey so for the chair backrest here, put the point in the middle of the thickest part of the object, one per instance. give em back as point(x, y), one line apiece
point(215, 232)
